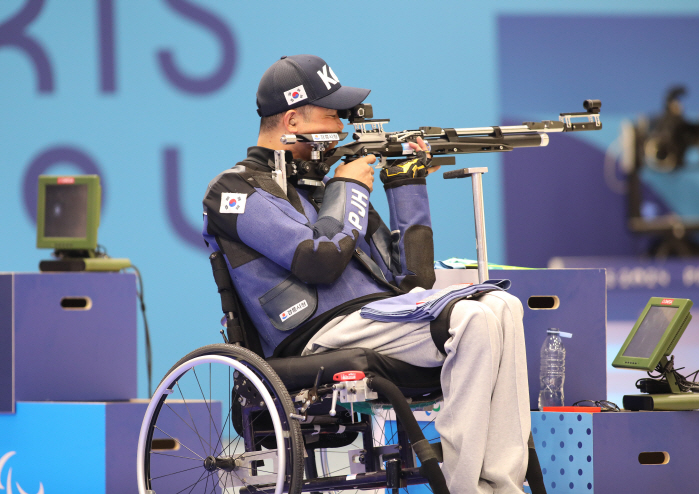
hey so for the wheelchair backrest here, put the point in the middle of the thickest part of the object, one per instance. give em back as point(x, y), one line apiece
point(239, 326)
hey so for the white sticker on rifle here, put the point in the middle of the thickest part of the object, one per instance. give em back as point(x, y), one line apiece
point(326, 137)
point(293, 310)
point(232, 203)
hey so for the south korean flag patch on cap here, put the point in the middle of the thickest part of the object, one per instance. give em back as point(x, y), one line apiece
point(232, 203)
point(295, 95)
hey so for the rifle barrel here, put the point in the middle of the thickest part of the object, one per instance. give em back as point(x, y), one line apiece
point(527, 141)
point(466, 144)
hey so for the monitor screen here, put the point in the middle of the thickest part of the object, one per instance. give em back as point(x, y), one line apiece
point(68, 212)
point(65, 211)
point(650, 332)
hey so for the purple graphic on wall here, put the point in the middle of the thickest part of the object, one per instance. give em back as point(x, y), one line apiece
point(12, 35)
point(175, 212)
point(224, 36)
point(105, 20)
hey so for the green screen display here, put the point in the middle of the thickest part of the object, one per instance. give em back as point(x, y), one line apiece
point(655, 334)
point(68, 212)
point(65, 213)
point(650, 332)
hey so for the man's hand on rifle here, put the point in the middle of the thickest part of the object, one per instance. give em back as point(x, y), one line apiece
point(359, 170)
point(412, 168)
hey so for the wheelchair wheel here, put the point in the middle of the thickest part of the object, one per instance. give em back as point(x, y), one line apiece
point(219, 422)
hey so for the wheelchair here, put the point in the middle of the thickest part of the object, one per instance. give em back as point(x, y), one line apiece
point(281, 425)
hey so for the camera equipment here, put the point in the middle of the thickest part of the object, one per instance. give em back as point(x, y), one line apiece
point(370, 138)
point(659, 143)
point(665, 140)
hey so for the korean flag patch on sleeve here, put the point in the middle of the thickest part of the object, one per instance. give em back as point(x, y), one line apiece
point(232, 203)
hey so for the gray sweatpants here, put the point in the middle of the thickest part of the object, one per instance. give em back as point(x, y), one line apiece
point(485, 422)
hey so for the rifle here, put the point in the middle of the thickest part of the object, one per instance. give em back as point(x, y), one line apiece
point(371, 138)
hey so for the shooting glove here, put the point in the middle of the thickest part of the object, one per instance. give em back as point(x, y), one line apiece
point(412, 168)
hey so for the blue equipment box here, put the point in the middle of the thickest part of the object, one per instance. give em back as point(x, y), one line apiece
point(580, 309)
point(613, 452)
point(88, 447)
point(67, 337)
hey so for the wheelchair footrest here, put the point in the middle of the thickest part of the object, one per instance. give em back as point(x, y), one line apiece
point(370, 480)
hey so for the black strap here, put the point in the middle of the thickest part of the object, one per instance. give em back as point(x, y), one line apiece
point(439, 327)
point(375, 271)
point(229, 302)
point(223, 282)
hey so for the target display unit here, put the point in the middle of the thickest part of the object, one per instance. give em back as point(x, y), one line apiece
point(650, 342)
point(67, 220)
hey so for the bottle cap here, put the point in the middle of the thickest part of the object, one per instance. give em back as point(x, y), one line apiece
point(560, 333)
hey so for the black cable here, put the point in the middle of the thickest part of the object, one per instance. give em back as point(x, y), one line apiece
point(101, 252)
point(149, 353)
point(683, 382)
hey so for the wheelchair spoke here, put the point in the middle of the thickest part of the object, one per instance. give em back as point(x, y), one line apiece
point(194, 484)
point(237, 443)
point(207, 482)
point(214, 484)
point(175, 456)
point(214, 451)
point(205, 402)
point(175, 473)
point(230, 406)
point(185, 422)
point(191, 418)
point(222, 431)
point(171, 437)
point(382, 429)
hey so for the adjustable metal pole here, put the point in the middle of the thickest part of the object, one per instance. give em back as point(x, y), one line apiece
point(479, 215)
point(476, 175)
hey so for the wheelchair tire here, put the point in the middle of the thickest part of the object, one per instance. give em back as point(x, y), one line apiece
point(188, 444)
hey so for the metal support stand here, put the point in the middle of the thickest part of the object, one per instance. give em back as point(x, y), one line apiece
point(476, 175)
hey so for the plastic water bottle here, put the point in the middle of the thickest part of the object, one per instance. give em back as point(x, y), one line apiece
point(553, 368)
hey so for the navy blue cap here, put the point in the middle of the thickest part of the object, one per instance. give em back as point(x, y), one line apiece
point(301, 80)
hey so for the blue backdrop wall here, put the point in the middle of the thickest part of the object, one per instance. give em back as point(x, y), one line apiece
point(158, 97)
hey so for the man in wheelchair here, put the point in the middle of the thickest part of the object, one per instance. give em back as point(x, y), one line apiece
point(305, 257)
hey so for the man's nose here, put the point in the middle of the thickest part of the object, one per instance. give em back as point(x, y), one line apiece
point(340, 125)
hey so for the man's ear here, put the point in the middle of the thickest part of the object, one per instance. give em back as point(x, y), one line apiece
point(291, 120)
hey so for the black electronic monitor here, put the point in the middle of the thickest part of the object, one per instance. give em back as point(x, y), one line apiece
point(68, 212)
point(655, 333)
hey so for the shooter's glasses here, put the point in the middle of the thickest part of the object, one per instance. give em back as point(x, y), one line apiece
point(606, 406)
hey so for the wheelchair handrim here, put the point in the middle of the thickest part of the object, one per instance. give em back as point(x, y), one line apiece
point(174, 376)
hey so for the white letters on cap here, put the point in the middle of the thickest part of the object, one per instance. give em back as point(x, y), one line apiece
point(328, 79)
